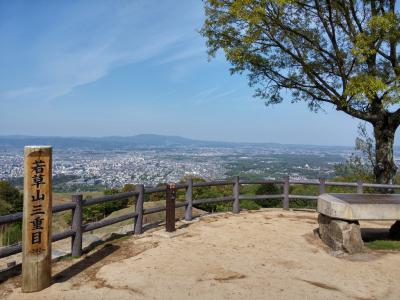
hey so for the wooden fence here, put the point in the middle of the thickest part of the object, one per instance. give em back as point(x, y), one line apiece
point(77, 204)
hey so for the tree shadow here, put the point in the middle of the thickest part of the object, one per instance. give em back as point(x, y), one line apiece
point(374, 234)
point(85, 263)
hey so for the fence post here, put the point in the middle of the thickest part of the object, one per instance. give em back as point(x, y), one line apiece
point(286, 193)
point(170, 195)
point(236, 193)
point(322, 185)
point(360, 188)
point(139, 209)
point(189, 200)
point(76, 242)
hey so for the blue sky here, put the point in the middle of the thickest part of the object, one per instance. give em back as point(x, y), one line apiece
point(98, 68)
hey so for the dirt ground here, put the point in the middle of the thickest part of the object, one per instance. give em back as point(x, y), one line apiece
point(268, 254)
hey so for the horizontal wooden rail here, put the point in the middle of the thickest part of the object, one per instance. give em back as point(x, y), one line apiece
point(381, 186)
point(10, 250)
point(161, 189)
point(179, 186)
point(338, 183)
point(63, 207)
point(212, 183)
point(213, 200)
point(260, 197)
point(115, 197)
point(16, 217)
point(62, 235)
point(303, 197)
point(153, 210)
point(107, 222)
point(306, 182)
point(78, 203)
point(17, 248)
point(157, 209)
point(11, 218)
point(157, 189)
point(268, 181)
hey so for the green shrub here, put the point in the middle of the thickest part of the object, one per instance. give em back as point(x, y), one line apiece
point(11, 233)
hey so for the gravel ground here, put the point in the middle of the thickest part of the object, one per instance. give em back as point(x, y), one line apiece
point(267, 254)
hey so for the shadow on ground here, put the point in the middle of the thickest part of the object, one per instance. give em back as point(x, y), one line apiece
point(85, 263)
point(376, 234)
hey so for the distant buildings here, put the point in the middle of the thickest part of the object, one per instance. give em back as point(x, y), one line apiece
point(153, 166)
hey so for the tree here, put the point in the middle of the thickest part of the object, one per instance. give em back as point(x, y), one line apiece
point(208, 192)
point(360, 165)
point(129, 187)
point(342, 53)
point(10, 199)
point(366, 145)
point(269, 189)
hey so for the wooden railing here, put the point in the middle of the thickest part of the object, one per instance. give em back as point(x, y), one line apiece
point(77, 204)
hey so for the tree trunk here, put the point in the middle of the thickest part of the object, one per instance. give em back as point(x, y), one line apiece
point(385, 168)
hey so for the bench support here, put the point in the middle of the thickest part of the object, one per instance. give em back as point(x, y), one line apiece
point(340, 235)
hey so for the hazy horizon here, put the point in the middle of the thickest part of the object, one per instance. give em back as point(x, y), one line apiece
point(161, 135)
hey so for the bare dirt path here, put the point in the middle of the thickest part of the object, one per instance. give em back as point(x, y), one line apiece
point(267, 254)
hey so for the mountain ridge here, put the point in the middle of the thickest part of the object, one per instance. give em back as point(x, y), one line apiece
point(135, 141)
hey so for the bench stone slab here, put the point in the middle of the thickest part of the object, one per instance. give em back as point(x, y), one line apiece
point(355, 207)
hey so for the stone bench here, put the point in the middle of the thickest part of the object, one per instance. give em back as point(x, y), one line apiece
point(339, 216)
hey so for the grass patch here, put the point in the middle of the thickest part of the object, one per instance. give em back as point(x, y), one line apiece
point(383, 245)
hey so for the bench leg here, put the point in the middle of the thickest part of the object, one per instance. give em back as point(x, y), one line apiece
point(394, 231)
point(340, 235)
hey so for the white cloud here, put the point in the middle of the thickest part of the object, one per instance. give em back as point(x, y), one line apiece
point(185, 54)
point(212, 95)
point(89, 42)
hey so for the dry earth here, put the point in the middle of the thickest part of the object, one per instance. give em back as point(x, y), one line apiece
point(268, 254)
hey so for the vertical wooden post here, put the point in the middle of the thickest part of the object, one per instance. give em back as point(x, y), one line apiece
point(76, 243)
point(360, 188)
point(139, 209)
point(189, 200)
point(286, 193)
point(170, 195)
point(236, 193)
point(36, 223)
point(322, 185)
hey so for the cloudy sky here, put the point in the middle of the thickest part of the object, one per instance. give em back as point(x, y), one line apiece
point(98, 68)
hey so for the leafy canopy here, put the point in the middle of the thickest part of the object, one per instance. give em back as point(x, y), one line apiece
point(338, 52)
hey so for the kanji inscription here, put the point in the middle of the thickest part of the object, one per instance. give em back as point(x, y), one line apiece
point(36, 264)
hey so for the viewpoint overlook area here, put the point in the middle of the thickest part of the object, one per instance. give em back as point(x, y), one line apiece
point(167, 181)
point(176, 249)
point(263, 254)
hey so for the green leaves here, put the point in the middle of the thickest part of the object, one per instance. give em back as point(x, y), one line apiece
point(10, 199)
point(365, 86)
point(385, 26)
point(379, 28)
point(343, 53)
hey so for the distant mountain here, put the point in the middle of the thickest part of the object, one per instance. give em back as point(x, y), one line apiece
point(110, 142)
point(135, 142)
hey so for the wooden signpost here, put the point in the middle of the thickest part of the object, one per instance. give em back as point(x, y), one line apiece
point(36, 224)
